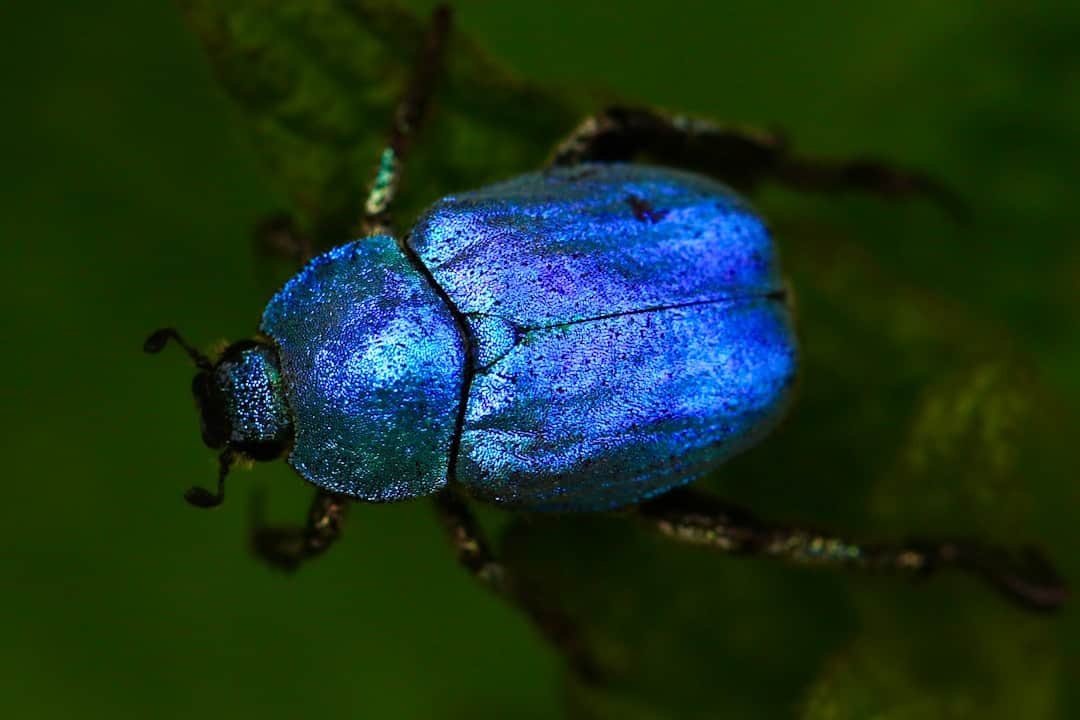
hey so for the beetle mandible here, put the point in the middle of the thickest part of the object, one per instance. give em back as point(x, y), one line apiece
point(592, 336)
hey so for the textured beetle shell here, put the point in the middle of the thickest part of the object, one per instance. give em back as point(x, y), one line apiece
point(629, 332)
point(373, 366)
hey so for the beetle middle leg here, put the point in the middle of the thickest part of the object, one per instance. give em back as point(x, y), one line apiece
point(473, 553)
point(692, 517)
point(287, 547)
point(742, 157)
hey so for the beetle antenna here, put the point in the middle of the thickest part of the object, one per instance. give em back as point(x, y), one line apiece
point(160, 338)
point(203, 498)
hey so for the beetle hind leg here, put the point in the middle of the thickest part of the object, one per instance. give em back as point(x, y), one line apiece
point(742, 157)
point(1026, 579)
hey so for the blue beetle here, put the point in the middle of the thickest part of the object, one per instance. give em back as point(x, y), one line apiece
point(588, 337)
point(536, 344)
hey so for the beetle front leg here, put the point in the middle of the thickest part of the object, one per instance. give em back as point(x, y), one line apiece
point(407, 120)
point(473, 553)
point(742, 157)
point(288, 547)
point(695, 518)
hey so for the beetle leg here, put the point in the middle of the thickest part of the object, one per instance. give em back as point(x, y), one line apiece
point(287, 547)
point(742, 157)
point(278, 236)
point(407, 120)
point(467, 538)
point(695, 518)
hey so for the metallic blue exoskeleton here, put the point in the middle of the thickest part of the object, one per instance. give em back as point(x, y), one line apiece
point(577, 339)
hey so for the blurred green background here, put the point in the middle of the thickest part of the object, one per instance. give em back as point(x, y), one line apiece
point(940, 390)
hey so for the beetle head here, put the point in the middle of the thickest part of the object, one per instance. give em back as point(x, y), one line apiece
point(241, 403)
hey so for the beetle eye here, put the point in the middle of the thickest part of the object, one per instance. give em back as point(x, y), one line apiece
point(212, 420)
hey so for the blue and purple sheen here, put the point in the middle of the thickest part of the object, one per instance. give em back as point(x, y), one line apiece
point(628, 332)
point(373, 366)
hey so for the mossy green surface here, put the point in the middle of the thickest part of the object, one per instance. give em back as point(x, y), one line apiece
point(940, 393)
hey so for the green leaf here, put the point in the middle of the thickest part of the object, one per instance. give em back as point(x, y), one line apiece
point(914, 418)
point(869, 682)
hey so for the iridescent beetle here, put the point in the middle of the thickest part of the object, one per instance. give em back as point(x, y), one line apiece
point(589, 337)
